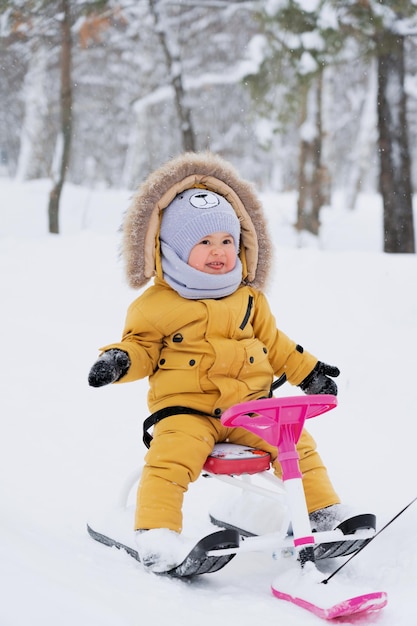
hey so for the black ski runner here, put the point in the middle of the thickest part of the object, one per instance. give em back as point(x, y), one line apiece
point(349, 527)
point(336, 571)
point(197, 561)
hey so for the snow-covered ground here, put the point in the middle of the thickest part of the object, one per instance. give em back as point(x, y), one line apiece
point(66, 449)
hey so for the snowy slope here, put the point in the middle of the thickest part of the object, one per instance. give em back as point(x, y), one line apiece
point(66, 449)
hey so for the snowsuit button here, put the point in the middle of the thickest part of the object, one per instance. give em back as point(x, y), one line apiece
point(192, 362)
point(265, 351)
point(177, 338)
point(217, 412)
point(162, 361)
point(251, 359)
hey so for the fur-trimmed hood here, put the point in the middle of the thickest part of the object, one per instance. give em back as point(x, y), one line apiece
point(140, 247)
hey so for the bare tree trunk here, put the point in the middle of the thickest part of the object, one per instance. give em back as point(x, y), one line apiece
point(64, 144)
point(173, 64)
point(395, 171)
point(313, 177)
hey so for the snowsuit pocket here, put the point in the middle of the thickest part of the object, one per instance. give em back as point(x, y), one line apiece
point(256, 371)
point(177, 373)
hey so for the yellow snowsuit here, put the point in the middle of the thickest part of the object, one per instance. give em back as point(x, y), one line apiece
point(208, 355)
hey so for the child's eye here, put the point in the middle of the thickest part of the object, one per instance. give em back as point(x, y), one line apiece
point(228, 241)
point(204, 242)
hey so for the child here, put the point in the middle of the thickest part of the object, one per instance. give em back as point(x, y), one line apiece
point(205, 337)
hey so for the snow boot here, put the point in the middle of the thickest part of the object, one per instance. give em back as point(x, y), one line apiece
point(160, 549)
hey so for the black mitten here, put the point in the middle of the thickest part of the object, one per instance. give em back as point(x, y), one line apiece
point(318, 380)
point(111, 366)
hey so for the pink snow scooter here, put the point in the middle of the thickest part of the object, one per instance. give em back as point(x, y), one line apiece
point(279, 421)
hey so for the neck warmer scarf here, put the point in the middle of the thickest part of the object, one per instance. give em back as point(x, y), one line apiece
point(194, 284)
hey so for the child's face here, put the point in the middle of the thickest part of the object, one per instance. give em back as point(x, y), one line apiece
point(214, 254)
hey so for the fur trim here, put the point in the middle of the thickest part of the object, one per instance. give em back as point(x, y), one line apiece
point(209, 171)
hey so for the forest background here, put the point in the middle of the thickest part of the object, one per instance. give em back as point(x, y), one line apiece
point(313, 96)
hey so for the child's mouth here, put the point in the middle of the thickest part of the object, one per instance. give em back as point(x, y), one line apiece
point(215, 266)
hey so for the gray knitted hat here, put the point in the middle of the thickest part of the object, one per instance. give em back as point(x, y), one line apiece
point(194, 214)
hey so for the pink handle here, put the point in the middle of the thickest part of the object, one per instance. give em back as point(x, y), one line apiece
point(265, 417)
point(279, 421)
